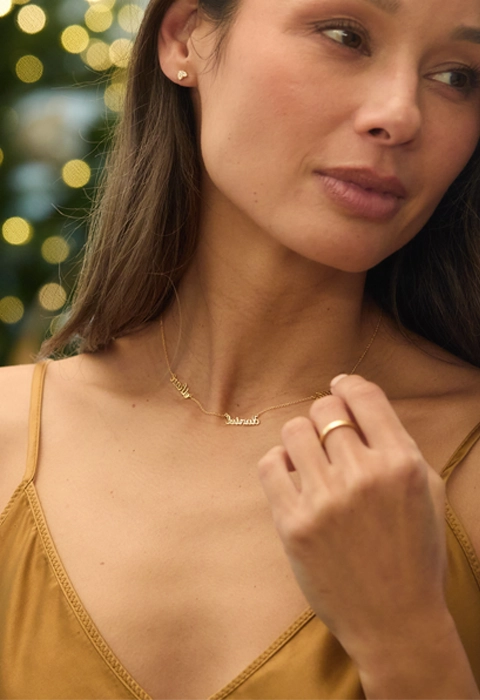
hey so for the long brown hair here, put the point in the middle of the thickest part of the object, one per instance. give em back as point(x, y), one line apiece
point(144, 226)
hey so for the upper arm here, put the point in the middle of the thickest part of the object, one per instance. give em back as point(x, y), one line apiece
point(15, 384)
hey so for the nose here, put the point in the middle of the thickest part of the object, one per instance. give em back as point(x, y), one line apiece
point(390, 111)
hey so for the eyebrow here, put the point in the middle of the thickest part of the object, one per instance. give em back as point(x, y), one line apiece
point(471, 34)
point(390, 6)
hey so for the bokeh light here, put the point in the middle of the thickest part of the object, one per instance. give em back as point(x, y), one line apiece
point(130, 17)
point(56, 323)
point(98, 17)
point(115, 95)
point(97, 55)
point(109, 4)
point(11, 310)
point(42, 142)
point(120, 52)
point(17, 231)
point(29, 69)
point(55, 250)
point(31, 19)
point(52, 296)
point(76, 173)
point(74, 38)
point(5, 7)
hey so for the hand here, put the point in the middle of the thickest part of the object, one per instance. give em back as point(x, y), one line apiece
point(363, 523)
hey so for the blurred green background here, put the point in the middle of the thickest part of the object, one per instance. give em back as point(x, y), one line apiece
point(62, 71)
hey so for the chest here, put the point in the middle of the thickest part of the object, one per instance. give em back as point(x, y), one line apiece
point(168, 540)
point(176, 561)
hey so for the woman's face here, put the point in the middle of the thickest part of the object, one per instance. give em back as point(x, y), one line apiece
point(336, 126)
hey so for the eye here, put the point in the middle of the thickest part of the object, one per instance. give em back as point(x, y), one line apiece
point(454, 79)
point(347, 37)
point(463, 80)
point(346, 33)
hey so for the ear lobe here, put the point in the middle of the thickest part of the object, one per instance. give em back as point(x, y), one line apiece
point(173, 42)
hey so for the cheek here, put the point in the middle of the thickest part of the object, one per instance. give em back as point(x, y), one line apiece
point(243, 141)
point(453, 146)
point(448, 150)
point(263, 129)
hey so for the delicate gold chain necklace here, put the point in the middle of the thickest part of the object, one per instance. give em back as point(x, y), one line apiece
point(184, 390)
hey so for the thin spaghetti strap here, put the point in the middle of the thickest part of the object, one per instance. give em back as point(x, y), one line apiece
point(35, 419)
point(461, 452)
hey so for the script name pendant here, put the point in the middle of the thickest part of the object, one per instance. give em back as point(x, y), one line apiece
point(322, 394)
point(179, 386)
point(242, 421)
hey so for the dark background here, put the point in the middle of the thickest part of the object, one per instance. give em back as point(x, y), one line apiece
point(62, 69)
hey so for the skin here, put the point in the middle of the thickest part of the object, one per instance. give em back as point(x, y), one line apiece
point(271, 309)
point(268, 122)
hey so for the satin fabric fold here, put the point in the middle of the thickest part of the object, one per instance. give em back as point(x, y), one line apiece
point(51, 650)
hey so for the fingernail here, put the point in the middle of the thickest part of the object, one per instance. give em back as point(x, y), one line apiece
point(335, 380)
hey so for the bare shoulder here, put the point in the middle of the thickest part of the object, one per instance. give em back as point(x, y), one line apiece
point(437, 397)
point(449, 418)
point(15, 388)
point(66, 380)
point(436, 394)
point(463, 488)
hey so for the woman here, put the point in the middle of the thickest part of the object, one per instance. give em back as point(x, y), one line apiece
point(271, 154)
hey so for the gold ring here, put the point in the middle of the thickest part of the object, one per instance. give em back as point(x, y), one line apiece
point(333, 426)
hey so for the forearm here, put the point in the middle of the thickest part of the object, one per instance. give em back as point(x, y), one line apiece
point(429, 665)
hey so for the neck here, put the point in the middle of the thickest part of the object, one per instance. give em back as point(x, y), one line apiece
point(250, 331)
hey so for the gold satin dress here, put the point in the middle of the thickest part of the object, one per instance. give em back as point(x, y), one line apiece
point(50, 648)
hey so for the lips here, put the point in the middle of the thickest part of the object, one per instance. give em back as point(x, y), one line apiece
point(363, 193)
point(369, 180)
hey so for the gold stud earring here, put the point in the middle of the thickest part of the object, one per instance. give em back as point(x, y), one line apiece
point(181, 75)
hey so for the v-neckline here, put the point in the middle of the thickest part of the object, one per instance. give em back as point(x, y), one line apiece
point(103, 648)
point(79, 609)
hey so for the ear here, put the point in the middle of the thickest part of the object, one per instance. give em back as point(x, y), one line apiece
point(174, 47)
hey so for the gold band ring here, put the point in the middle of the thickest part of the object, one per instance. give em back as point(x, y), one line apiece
point(333, 426)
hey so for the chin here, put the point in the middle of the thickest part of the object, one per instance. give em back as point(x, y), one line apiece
point(354, 267)
point(350, 244)
point(346, 257)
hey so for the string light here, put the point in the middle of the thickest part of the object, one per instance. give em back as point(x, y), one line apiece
point(31, 19)
point(74, 38)
point(29, 69)
point(98, 18)
point(17, 231)
point(11, 310)
point(5, 7)
point(57, 322)
point(55, 250)
point(114, 96)
point(52, 297)
point(107, 3)
point(130, 17)
point(120, 52)
point(76, 173)
point(97, 55)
